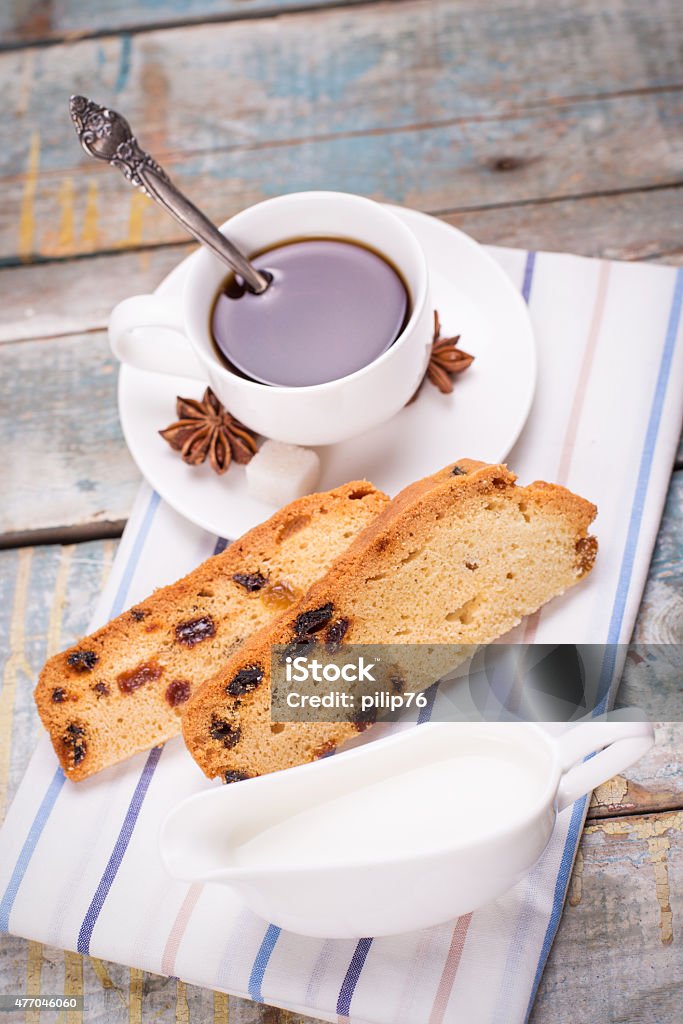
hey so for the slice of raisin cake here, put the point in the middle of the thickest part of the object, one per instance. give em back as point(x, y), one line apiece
point(457, 558)
point(123, 688)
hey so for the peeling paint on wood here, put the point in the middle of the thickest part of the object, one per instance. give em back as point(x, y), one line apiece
point(657, 832)
point(654, 783)
point(618, 951)
point(576, 883)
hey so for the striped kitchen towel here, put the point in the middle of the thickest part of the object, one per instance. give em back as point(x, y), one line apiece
point(79, 866)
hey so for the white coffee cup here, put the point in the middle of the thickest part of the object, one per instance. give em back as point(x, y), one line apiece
point(172, 335)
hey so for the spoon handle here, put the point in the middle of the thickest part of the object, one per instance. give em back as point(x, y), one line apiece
point(159, 187)
point(162, 189)
point(106, 135)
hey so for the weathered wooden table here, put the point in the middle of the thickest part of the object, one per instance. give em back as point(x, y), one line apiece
point(524, 123)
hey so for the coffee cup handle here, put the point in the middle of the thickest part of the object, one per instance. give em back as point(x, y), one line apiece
point(615, 744)
point(147, 332)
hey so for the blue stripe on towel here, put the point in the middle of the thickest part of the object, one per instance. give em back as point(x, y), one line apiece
point(117, 854)
point(654, 421)
point(131, 816)
point(561, 884)
point(619, 603)
point(529, 268)
point(53, 790)
point(134, 557)
point(352, 975)
point(30, 843)
point(261, 962)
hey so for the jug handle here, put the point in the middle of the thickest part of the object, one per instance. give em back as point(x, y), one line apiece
point(616, 744)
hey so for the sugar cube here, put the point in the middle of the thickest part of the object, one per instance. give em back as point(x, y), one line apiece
point(279, 473)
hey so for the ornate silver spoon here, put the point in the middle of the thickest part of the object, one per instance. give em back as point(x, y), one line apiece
point(107, 135)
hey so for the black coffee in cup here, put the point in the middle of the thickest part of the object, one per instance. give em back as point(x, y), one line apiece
point(332, 307)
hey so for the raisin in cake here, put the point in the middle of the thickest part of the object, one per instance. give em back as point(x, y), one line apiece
point(458, 558)
point(122, 689)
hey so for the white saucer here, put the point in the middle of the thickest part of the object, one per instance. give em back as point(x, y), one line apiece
point(481, 419)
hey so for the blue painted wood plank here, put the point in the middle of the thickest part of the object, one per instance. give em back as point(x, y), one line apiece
point(360, 69)
point(24, 24)
point(69, 468)
point(439, 105)
point(544, 153)
point(645, 225)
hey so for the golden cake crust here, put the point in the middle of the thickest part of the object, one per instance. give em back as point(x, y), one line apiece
point(457, 558)
point(122, 689)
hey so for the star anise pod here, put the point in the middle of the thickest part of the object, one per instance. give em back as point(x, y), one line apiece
point(445, 360)
point(207, 428)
